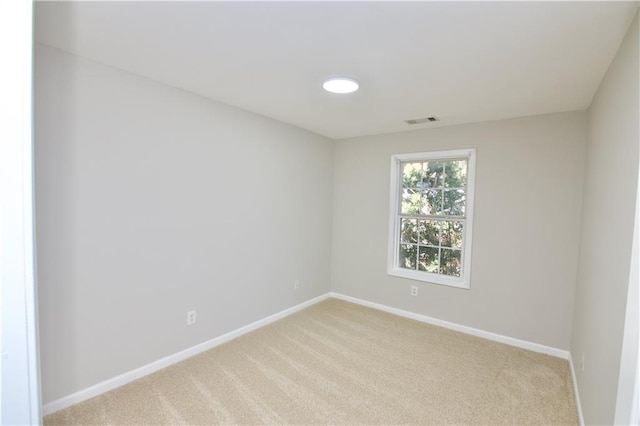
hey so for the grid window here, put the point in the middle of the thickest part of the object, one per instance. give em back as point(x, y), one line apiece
point(430, 227)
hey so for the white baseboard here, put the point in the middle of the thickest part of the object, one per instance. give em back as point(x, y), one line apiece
point(575, 390)
point(130, 376)
point(145, 370)
point(535, 347)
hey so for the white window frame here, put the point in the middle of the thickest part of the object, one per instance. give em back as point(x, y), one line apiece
point(393, 267)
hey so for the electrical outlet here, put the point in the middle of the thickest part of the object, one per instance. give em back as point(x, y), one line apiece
point(414, 290)
point(191, 317)
point(296, 284)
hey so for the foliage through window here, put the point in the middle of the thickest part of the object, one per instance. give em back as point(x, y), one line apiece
point(432, 196)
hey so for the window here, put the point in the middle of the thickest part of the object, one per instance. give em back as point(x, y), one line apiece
point(431, 216)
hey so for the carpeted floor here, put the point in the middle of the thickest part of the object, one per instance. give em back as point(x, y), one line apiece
point(340, 363)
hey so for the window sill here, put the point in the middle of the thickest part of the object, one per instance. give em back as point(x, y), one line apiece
point(429, 278)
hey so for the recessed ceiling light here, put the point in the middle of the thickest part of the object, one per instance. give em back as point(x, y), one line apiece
point(340, 85)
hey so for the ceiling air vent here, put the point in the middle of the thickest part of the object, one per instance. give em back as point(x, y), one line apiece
point(422, 120)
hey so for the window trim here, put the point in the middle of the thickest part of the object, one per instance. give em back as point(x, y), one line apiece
point(394, 218)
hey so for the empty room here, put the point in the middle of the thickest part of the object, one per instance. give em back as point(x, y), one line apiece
point(334, 213)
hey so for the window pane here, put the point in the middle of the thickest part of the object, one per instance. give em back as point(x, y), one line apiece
point(429, 232)
point(433, 172)
point(410, 201)
point(432, 202)
point(451, 234)
point(411, 175)
point(430, 217)
point(408, 231)
point(454, 200)
point(450, 262)
point(428, 259)
point(455, 175)
point(408, 256)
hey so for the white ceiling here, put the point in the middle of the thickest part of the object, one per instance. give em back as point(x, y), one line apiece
point(463, 62)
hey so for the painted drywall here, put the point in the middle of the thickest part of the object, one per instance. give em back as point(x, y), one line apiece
point(526, 225)
point(152, 202)
point(609, 204)
point(628, 397)
point(19, 371)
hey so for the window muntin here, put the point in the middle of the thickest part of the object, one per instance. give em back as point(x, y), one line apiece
point(432, 197)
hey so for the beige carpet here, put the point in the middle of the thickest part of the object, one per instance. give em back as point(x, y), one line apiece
point(340, 363)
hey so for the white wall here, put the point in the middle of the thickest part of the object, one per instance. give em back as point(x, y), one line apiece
point(526, 225)
point(609, 201)
point(628, 398)
point(19, 372)
point(151, 202)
